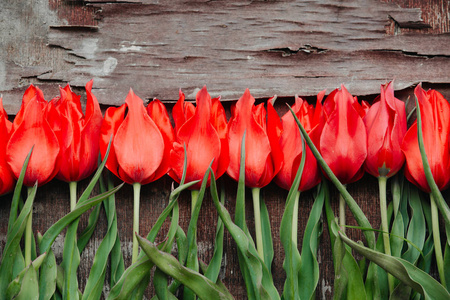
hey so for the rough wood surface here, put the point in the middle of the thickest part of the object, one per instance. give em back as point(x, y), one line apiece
point(272, 47)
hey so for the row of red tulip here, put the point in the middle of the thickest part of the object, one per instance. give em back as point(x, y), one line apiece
point(352, 137)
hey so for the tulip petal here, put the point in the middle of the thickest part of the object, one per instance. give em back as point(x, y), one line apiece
point(219, 122)
point(35, 131)
point(343, 139)
point(158, 113)
point(114, 117)
point(6, 176)
point(201, 139)
point(436, 129)
point(90, 131)
point(138, 143)
point(257, 146)
point(386, 126)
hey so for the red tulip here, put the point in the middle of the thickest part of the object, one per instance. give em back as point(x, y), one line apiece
point(435, 112)
point(203, 131)
point(386, 127)
point(6, 176)
point(263, 155)
point(139, 142)
point(76, 133)
point(291, 145)
point(31, 128)
point(343, 139)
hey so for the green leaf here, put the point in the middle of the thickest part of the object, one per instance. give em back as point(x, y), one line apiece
point(131, 278)
point(348, 277)
point(258, 274)
point(134, 274)
point(85, 236)
point(47, 277)
point(309, 267)
point(116, 259)
point(199, 284)
point(288, 235)
point(266, 233)
point(15, 286)
point(30, 286)
point(97, 274)
point(12, 242)
point(17, 190)
point(403, 270)
point(351, 203)
point(70, 263)
point(417, 227)
point(213, 269)
point(192, 258)
point(51, 234)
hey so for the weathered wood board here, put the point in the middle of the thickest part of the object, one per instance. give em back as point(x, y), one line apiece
point(271, 47)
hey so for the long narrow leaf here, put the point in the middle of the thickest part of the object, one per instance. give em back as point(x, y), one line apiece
point(17, 190)
point(213, 269)
point(96, 279)
point(30, 290)
point(192, 258)
point(136, 272)
point(261, 279)
point(15, 286)
point(354, 207)
point(12, 242)
point(292, 258)
point(403, 270)
point(202, 286)
point(51, 234)
point(309, 267)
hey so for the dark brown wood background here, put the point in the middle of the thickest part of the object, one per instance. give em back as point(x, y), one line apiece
point(271, 47)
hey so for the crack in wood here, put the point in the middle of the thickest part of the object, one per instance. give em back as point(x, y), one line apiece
point(287, 51)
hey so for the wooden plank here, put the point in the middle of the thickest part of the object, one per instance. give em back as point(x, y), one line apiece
point(283, 48)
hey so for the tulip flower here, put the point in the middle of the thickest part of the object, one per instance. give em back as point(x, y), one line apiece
point(435, 117)
point(291, 144)
point(140, 146)
point(32, 130)
point(203, 131)
point(436, 128)
point(386, 126)
point(6, 176)
point(263, 155)
point(343, 139)
point(75, 132)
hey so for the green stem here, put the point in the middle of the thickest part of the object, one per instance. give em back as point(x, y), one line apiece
point(382, 180)
point(137, 197)
point(73, 194)
point(295, 220)
point(28, 233)
point(437, 240)
point(194, 198)
point(257, 213)
point(342, 213)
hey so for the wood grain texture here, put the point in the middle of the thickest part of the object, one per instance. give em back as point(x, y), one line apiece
point(272, 47)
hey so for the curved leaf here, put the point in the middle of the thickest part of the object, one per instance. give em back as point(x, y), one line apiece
point(199, 284)
point(403, 270)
